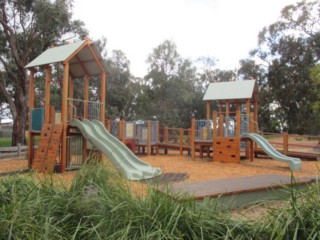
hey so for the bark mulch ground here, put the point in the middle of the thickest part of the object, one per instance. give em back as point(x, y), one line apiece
point(176, 168)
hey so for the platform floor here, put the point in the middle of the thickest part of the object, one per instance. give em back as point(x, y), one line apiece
point(232, 186)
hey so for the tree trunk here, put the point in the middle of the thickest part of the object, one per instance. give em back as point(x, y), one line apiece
point(21, 108)
point(19, 126)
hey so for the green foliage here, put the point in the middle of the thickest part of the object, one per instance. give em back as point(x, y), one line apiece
point(299, 219)
point(99, 205)
point(119, 91)
point(171, 83)
point(27, 28)
point(287, 50)
point(315, 76)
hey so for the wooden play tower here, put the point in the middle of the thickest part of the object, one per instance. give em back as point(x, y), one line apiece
point(79, 61)
point(237, 105)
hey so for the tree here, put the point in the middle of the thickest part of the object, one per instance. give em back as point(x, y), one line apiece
point(268, 119)
point(172, 90)
point(27, 28)
point(119, 97)
point(288, 49)
point(315, 76)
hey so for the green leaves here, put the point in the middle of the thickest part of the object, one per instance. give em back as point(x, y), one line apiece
point(287, 50)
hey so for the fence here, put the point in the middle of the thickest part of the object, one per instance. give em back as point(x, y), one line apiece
point(175, 138)
point(14, 152)
point(304, 146)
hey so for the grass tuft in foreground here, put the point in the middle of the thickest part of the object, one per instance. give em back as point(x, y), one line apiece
point(99, 205)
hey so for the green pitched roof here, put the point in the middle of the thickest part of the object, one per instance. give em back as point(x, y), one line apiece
point(238, 90)
point(84, 62)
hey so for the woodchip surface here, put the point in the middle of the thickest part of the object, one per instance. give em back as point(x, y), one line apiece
point(199, 170)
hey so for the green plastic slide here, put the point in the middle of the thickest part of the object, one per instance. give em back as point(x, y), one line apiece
point(294, 163)
point(122, 158)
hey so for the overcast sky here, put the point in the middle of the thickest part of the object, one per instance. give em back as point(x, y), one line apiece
point(224, 29)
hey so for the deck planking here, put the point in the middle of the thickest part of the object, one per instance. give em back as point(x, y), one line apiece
point(231, 186)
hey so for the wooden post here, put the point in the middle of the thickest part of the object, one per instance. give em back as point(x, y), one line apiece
point(238, 120)
point(124, 125)
point(227, 118)
point(108, 125)
point(181, 140)
point(252, 123)
point(255, 116)
point(52, 114)
point(31, 106)
point(86, 97)
point(166, 135)
point(251, 150)
point(120, 131)
point(256, 127)
point(47, 95)
point(84, 150)
point(221, 128)
point(248, 125)
point(285, 143)
point(85, 116)
point(215, 133)
point(70, 102)
point(208, 110)
point(64, 109)
point(248, 113)
point(158, 138)
point(193, 129)
point(148, 137)
point(103, 97)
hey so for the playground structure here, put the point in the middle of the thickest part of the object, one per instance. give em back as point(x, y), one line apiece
point(235, 124)
point(237, 114)
point(58, 144)
point(61, 144)
point(231, 130)
point(64, 139)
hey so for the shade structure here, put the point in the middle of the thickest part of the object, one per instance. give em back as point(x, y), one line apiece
point(83, 56)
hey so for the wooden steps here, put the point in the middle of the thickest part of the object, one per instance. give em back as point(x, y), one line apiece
point(48, 147)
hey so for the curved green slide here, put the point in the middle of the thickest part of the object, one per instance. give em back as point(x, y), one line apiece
point(294, 163)
point(122, 158)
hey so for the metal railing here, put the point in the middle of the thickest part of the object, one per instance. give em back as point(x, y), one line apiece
point(74, 151)
point(203, 130)
point(81, 109)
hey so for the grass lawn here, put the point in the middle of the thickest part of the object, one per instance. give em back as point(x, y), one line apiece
point(5, 142)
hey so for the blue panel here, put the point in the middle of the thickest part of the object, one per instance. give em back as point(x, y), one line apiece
point(37, 118)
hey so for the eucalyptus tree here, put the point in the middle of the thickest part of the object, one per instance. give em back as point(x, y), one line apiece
point(118, 89)
point(27, 28)
point(172, 89)
point(288, 49)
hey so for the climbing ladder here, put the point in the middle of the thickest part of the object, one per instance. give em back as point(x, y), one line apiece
point(48, 147)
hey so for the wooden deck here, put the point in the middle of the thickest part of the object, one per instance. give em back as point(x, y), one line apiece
point(233, 186)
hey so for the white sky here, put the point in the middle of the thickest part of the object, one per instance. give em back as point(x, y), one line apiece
point(224, 29)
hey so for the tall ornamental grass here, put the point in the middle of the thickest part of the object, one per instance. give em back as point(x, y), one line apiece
point(298, 219)
point(99, 205)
